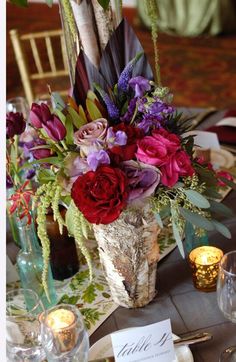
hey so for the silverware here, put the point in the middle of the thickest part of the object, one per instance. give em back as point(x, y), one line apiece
point(190, 339)
point(201, 117)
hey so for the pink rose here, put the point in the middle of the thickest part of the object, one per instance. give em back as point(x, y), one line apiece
point(89, 135)
point(179, 165)
point(157, 149)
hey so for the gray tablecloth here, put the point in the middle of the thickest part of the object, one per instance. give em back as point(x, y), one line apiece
point(188, 309)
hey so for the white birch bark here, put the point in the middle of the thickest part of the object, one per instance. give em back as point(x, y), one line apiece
point(104, 23)
point(129, 253)
point(83, 14)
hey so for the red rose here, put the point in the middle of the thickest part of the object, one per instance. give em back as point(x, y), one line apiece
point(101, 195)
point(127, 152)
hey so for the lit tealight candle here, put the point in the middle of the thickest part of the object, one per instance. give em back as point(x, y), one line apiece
point(205, 265)
point(62, 323)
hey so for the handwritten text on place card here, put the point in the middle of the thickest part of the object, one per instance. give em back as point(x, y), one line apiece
point(149, 343)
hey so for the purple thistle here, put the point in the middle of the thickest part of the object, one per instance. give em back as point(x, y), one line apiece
point(126, 74)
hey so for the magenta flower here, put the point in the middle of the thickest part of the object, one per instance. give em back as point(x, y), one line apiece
point(55, 128)
point(15, 124)
point(39, 114)
point(41, 117)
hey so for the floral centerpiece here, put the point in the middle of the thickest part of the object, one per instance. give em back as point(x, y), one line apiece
point(117, 156)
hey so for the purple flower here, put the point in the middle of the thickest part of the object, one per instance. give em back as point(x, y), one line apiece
point(142, 180)
point(98, 158)
point(9, 182)
point(140, 85)
point(55, 128)
point(112, 110)
point(37, 153)
point(41, 117)
point(129, 113)
point(15, 124)
point(39, 114)
point(126, 74)
point(118, 138)
point(75, 166)
point(30, 174)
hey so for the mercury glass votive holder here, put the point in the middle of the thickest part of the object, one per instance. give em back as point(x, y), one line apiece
point(204, 262)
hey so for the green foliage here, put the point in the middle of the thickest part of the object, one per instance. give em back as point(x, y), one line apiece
point(45, 175)
point(69, 299)
point(221, 229)
point(89, 294)
point(197, 199)
point(220, 208)
point(56, 99)
point(79, 279)
point(104, 4)
point(196, 219)
point(77, 119)
point(23, 3)
point(93, 110)
point(91, 316)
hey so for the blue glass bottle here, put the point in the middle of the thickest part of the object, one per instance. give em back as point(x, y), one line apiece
point(30, 264)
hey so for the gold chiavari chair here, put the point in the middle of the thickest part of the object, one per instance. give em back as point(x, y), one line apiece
point(28, 77)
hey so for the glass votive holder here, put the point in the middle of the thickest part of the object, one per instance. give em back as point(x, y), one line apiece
point(64, 336)
point(204, 262)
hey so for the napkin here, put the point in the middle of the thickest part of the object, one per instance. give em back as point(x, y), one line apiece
point(226, 128)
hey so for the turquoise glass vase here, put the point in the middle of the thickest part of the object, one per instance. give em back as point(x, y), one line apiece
point(30, 264)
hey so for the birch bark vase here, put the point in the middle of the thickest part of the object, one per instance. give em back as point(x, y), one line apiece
point(129, 253)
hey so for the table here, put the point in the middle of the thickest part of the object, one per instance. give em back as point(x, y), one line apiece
point(188, 309)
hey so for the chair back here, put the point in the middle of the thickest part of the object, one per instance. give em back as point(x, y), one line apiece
point(45, 57)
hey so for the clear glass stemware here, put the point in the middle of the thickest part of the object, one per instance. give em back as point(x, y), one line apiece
point(23, 338)
point(226, 297)
point(18, 104)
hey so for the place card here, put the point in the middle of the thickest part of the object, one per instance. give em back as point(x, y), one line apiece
point(152, 343)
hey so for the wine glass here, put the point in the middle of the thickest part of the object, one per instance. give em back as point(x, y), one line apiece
point(18, 104)
point(23, 338)
point(226, 296)
point(64, 336)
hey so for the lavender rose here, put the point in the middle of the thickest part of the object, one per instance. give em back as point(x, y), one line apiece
point(142, 180)
point(90, 136)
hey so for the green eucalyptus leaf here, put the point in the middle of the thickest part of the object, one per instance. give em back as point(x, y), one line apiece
point(104, 4)
point(178, 239)
point(212, 194)
point(197, 199)
point(159, 221)
point(222, 229)
point(77, 119)
point(220, 208)
point(196, 219)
